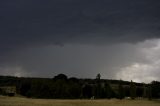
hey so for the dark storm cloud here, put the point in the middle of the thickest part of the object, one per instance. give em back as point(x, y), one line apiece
point(28, 22)
point(30, 29)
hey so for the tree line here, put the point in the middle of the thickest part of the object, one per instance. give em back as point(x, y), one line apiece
point(62, 87)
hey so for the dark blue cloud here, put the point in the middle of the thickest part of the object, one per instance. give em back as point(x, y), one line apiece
point(28, 22)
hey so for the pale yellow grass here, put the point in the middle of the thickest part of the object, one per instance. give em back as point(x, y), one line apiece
point(18, 101)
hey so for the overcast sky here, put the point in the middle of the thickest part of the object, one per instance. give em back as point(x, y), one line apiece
point(117, 38)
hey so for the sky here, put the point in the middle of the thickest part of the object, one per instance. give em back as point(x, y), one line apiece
point(80, 38)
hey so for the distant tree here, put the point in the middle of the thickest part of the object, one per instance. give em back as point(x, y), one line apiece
point(74, 89)
point(139, 91)
point(98, 90)
point(132, 90)
point(1, 91)
point(109, 93)
point(144, 91)
point(25, 87)
point(61, 89)
point(73, 79)
point(149, 92)
point(98, 77)
point(155, 87)
point(127, 91)
point(60, 77)
point(121, 94)
point(87, 91)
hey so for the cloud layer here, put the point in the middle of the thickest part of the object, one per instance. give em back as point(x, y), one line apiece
point(27, 22)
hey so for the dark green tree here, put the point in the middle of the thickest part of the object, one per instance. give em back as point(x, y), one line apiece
point(74, 90)
point(98, 83)
point(61, 89)
point(60, 77)
point(144, 91)
point(155, 85)
point(87, 91)
point(127, 91)
point(132, 90)
point(149, 92)
point(25, 87)
point(109, 91)
point(121, 92)
point(139, 91)
point(98, 77)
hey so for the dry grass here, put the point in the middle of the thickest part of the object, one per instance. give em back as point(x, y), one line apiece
point(17, 101)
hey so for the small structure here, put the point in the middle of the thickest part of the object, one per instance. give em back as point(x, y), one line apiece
point(8, 90)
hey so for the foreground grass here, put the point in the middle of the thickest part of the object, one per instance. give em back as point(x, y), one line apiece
point(17, 101)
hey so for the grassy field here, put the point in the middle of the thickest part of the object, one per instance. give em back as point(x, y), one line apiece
point(17, 101)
